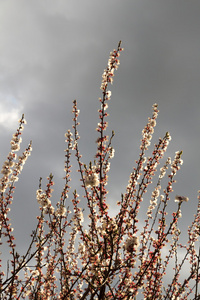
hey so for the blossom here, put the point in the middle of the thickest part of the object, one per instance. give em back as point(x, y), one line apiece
point(9, 163)
point(14, 178)
point(131, 243)
point(78, 218)
point(22, 120)
point(112, 152)
point(81, 248)
point(179, 214)
point(92, 179)
point(108, 94)
point(155, 193)
point(108, 73)
point(49, 209)
point(44, 201)
point(42, 198)
point(61, 211)
point(6, 171)
point(35, 273)
point(181, 199)
point(152, 122)
point(3, 188)
point(15, 147)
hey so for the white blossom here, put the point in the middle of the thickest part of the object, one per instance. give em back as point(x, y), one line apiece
point(181, 199)
point(61, 211)
point(92, 179)
point(42, 198)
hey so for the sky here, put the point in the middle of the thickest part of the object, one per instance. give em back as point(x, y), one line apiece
point(52, 52)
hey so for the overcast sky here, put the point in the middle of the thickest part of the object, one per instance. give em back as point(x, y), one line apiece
point(52, 52)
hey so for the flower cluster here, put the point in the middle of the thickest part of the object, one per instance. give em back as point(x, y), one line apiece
point(12, 167)
point(42, 198)
point(92, 178)
point(180, 199)
point(108, 73)
point(61, 211)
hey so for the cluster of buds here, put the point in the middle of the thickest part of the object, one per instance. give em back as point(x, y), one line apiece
point(113, 63)
point(164, 168)
point(92, 178)
point(181, 199)
point(11, 169)
point(153, 201)
point(177, 162)
point(61, 211)
point(149, 128)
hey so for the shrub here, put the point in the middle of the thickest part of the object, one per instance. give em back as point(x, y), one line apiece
point(106, 257)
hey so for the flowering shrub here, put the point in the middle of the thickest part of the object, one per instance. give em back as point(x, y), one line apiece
point(106, 257)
